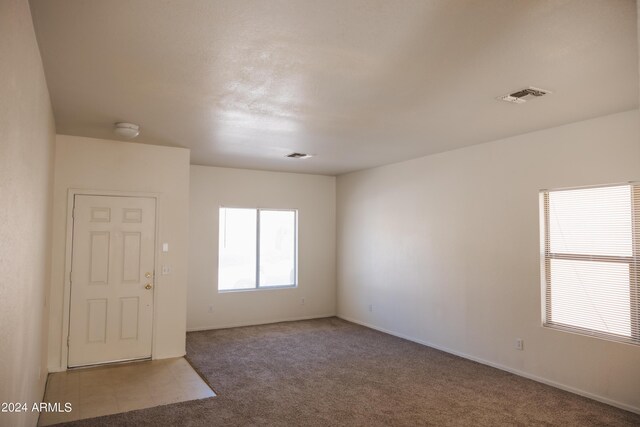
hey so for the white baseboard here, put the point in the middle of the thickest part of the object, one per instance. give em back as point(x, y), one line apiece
point(501, 367)
point(258, 322)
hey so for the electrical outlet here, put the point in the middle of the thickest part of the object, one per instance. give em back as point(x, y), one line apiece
point(166, 270)
point(210, 309)
point(519, 344)
point(302, 301)
point(370, 307)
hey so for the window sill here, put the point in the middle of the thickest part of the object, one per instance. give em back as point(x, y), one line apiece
point(585, 333)
point(263, 288)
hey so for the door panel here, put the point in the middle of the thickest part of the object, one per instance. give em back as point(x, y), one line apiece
point(111, 315)
point(97, 320)
point(131, 257)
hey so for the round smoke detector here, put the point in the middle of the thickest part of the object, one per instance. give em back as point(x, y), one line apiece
point(126, 130)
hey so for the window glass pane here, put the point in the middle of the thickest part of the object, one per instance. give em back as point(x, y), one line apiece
point(591, 221)
point(591, 295)
point(277, 248)
point(237, 249)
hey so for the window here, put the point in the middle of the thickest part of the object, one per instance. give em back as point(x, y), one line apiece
point(590, 249)
point(257, 249)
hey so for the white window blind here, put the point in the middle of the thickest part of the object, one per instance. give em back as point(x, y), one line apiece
point(590, 249)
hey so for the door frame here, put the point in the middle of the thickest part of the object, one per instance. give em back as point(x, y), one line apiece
point(66, 304)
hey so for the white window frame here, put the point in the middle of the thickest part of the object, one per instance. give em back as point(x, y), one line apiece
point(295, 252)
point(633, 261)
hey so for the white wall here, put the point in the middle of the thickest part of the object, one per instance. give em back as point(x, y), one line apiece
point(446, 248)
point(26, 165)
point(94, 164)
point(312, 195)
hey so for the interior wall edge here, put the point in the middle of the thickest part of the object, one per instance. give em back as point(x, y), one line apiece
point(89, 164)
point(27, 136)
point(313, 196)
point(445, 249)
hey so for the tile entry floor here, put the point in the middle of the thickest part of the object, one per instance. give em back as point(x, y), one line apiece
point(105, 390)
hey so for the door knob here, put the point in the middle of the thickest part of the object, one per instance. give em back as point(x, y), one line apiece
point(148, 286)
point(148, 275)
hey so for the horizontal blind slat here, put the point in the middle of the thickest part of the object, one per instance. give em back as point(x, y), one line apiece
point(591, 242)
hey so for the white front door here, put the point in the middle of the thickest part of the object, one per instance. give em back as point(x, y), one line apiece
point(111, 311)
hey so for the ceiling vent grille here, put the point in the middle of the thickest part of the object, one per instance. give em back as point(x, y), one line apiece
point(523, 95)
point(299, 156)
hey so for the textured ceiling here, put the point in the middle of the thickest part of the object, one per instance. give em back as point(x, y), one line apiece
point(358, 83)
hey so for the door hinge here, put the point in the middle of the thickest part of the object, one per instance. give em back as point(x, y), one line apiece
point(70, 275)
point(68, 340)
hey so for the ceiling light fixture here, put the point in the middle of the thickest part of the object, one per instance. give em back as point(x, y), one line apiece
point(126, 130)
point(299, 156)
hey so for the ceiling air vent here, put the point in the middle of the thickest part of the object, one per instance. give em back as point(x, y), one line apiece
point(523, 95)
point(299, 156)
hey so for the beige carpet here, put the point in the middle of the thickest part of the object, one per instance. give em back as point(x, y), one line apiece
point(329, 372)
